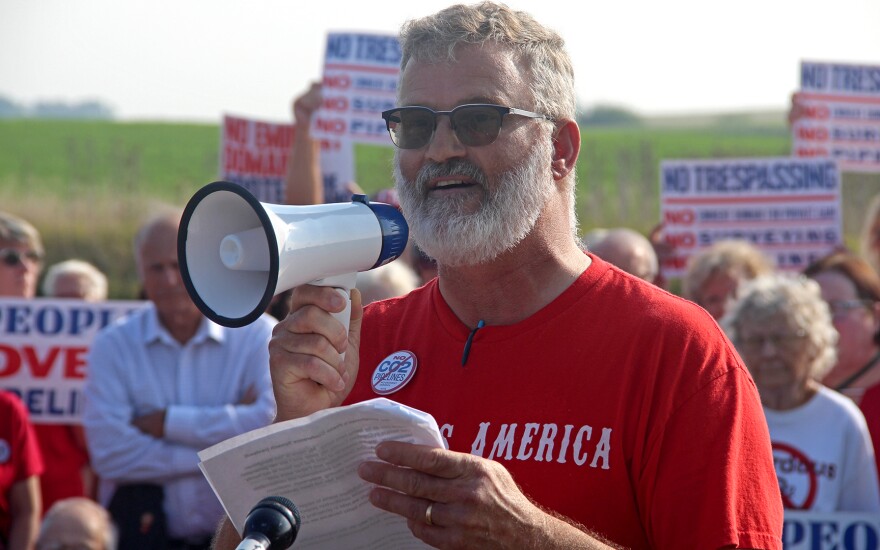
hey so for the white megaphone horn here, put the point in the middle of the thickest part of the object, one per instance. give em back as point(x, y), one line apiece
point(236, 253)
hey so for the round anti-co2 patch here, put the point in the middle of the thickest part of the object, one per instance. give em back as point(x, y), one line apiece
point(394, 372)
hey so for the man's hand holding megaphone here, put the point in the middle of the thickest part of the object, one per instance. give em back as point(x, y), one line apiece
point(309, 373)
point(236, 253)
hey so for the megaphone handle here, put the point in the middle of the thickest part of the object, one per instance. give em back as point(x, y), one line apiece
point(343, 285)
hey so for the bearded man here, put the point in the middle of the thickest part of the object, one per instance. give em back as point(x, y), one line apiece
point(583, 407)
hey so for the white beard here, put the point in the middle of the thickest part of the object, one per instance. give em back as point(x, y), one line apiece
point(444, 230)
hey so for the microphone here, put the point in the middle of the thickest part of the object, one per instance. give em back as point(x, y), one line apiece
point(271, 525)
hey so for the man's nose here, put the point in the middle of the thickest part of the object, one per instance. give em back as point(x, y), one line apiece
point(444, 144)
point(172, 276)
point(769, 347)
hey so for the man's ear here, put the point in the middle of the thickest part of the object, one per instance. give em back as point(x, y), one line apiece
point(566, 146)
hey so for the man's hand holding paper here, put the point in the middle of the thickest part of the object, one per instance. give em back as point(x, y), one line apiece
point(470, 498)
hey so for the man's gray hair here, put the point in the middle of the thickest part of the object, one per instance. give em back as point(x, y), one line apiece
point(540, 50)
point(86, 511)
point(627, 249)
point(434, 39)
point(97, 281)
point(163, 216)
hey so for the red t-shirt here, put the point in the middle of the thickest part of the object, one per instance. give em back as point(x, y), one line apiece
point(64, 459)
point(870, 406)
point(618, 405)
point(19, 454)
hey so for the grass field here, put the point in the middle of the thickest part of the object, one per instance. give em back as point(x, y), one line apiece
point(87, 185)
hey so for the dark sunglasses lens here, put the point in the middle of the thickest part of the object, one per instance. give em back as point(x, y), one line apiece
point(11, 258)
point(411, 128)
point(476, 126)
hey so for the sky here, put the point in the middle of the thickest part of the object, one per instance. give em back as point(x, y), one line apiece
point(195, 60)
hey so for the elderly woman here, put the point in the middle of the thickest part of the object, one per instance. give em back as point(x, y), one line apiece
point(21, 257)
point(62, 446)
point(821, 446)
point(714, 273)
point(852, 290)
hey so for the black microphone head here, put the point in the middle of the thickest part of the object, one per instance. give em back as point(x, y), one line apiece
point(277, 518)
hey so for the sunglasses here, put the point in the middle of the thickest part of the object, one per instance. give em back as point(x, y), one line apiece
point(840, 308)
point(474, 125)
point(13, 257)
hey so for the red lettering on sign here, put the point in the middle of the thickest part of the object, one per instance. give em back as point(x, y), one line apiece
point(10, 361)
point(679, 217)
point(273, 135)
point(331, 126)
point(681, 240)
point(335, 103)
point(268, 162)
point(75, 363)
point(236, 130)
point(816, 111)
point(341, 81)
point(40, 369)
point(813, 134)
point(811, 152)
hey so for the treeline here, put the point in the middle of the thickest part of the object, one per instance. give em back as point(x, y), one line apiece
point(607, 115)
point(87, 110)
point(600, 115)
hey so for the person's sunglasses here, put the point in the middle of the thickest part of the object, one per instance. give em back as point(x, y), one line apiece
point(13, 257)
point(474, 125)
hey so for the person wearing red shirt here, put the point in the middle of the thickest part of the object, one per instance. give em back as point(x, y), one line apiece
point(584, 408)
point(62, 446)
point(20, 469)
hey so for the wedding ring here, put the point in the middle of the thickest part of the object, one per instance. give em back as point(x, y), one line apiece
point(428, 514)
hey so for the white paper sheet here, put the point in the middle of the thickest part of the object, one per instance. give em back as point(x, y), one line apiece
point(313, 462)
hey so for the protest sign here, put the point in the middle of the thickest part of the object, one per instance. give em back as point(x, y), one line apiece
point(787, 207)
point(254, 153)
point(836, 114)
point(361, 72)
point(360, 81)
point(43, 348)
point(830, 531)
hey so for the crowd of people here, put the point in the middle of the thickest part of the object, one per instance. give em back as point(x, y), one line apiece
point(595, 383)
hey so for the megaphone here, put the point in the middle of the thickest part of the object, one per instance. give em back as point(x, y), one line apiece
point(236, 253)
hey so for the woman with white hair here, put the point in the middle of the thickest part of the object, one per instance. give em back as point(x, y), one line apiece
point(822, 450)
point(715, 272)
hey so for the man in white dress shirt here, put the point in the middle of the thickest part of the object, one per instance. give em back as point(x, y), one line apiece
point(163, 384)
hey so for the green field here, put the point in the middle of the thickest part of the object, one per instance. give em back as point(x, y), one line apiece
point(87, 185)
